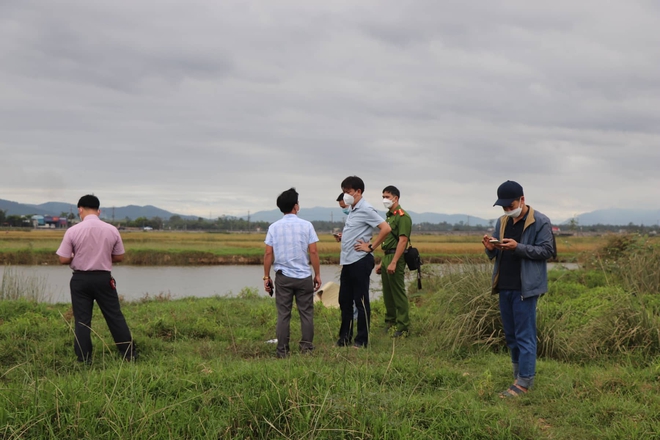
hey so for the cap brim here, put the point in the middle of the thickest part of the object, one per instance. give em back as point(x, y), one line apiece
point(504, 202)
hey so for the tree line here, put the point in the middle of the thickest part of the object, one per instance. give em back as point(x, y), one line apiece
point(230, 224)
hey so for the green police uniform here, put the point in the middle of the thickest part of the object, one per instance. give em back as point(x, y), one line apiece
point(394, 287)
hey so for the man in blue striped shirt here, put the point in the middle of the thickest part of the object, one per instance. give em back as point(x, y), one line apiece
point(357, 262)
point(288, 242)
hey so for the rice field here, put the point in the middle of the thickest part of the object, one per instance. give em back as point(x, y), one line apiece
point(175, 248)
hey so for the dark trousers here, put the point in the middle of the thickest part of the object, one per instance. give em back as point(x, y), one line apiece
point(394, 294)
point(286, 289)
point(354, 289)
point(85, 288)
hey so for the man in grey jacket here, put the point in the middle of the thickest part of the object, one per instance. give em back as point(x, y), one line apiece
point(521, 245)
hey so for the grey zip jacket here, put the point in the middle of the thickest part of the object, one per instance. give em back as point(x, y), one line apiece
point(535, 247)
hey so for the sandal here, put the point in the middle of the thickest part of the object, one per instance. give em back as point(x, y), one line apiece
point(513, 391)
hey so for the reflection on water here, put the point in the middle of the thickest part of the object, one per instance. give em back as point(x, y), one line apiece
point(135, 282)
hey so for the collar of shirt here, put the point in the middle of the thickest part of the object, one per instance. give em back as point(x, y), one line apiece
point(357, 205)
point(398, 211)
point(91, 217)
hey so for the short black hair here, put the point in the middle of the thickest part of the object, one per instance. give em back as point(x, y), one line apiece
point(353, 182)
point(340, 198)
point(287, 200)
point(89, 201)
point(392, 190)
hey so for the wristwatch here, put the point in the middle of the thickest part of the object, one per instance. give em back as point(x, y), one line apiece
point(266, 278)
point(371, 248)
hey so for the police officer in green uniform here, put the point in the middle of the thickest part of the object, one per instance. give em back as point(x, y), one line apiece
point(392, 265)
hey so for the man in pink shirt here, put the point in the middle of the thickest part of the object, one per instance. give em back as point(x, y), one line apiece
point(90, 248)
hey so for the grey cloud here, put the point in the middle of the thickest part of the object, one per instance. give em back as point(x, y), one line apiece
point(199, 105)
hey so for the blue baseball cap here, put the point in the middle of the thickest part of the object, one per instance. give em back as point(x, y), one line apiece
point(508, 192)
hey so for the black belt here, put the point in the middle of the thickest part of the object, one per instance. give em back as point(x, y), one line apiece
point(91, 271)
point(389, 251)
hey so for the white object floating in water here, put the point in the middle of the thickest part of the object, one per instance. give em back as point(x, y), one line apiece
point(271, 341)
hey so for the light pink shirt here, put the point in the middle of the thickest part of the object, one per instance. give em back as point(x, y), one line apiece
point(92, 243)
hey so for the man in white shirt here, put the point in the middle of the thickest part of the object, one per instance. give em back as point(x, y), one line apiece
point(290, 244)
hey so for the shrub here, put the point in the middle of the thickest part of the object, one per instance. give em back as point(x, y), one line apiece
point(580, 319)
point(630, 260)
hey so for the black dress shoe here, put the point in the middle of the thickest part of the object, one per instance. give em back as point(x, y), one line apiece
point(343, 342)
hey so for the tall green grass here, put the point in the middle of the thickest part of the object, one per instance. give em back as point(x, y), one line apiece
point(18, 285)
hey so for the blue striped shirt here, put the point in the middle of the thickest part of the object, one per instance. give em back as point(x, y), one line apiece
point(290, 238)
point(360, 225)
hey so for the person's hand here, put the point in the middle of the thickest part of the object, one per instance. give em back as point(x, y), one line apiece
point(337, 237)
point(317, 282)
point(391, 268)
point(508, 244)
point(487, 244)
point(362, 246)
point(268, 286)
point(378, 268)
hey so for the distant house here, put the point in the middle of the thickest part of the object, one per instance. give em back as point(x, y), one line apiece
point(48, 221)
point(556, 230)
point(38, 220)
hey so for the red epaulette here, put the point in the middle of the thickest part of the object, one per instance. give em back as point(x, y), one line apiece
point(400, 212)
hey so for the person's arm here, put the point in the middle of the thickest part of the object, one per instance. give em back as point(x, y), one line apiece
point(380, 238)
point(316, 265)
point(404, 230)
point(65, 251)
point(118, 258)
point(384, 230)
point(268, 262)
point(541, 249)
point(490, 248)
point(400, 249)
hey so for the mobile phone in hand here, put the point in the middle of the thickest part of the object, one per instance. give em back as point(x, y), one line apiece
point(270, 286)
point(494, 240)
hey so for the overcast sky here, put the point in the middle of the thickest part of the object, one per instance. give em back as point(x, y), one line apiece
point(211, 108)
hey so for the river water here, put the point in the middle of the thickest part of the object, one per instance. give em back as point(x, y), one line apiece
point(137, 282)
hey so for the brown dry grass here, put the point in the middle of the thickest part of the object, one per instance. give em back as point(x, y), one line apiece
point(222, 245)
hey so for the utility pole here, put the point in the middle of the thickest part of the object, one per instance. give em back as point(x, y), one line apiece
point(113, 214)
point(248, 223)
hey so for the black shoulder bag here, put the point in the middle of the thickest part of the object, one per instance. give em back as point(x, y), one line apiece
point(414, 262)
point(412, 259)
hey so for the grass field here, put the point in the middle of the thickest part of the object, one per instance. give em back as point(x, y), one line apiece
point(205, 371)
point(182, 248)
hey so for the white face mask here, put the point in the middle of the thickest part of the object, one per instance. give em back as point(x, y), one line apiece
point(387, 203)
point(346, 210)
point(514, 213)
point(349, 199)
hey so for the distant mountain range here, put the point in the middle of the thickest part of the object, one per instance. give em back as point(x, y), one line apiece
point(335, 214)
point(57, 208)
point(614, 216)
point(617, 216)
